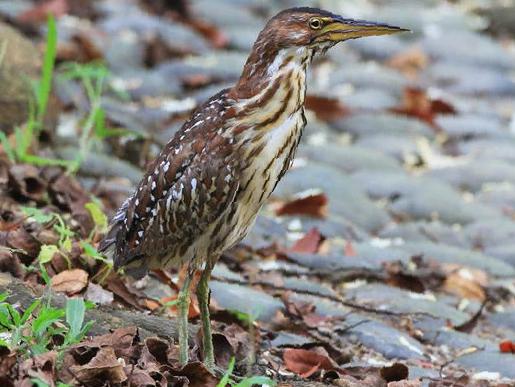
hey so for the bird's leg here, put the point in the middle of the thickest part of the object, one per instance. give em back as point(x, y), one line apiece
point(203, 301)
point(183, 306)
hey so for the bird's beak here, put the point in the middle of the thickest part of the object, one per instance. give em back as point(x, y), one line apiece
point(344, 29)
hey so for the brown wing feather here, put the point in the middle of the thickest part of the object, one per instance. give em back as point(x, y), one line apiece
point(189, 185)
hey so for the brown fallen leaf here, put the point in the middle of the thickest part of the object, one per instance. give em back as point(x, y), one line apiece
point(410, 63)
point(40, 12)
point(198, 375)
point(325, 108)
point(25, 180)
point(467, 283)
point(314, 205)
point(395, 372)
point(309, 243)
point(305, 363)
point(104, 368)
point(70, 281)
point(417, 103)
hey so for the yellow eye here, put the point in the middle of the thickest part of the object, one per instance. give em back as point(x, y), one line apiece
point(315, 23)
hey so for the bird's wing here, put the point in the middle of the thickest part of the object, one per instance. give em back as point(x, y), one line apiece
point(186, 189)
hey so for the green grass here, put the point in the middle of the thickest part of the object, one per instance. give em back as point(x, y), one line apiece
point(247, 382)
point(93, 78)
point(33, 331)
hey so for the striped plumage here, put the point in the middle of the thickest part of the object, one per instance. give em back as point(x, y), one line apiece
point(203, 192)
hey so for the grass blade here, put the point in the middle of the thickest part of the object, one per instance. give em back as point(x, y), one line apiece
point(45, 85)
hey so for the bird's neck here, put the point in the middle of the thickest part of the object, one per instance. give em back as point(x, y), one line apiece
point(271, 89)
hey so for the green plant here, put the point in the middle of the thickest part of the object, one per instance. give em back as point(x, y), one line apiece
point(24, 136)
point(246, 382)
point(33, 331)
point(64, 245)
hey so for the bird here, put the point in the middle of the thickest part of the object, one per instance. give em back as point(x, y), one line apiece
point(202, 193)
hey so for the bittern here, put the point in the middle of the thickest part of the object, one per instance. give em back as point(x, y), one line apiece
point(201, 195)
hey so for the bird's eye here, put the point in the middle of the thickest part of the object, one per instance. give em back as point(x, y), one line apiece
point(315, 23)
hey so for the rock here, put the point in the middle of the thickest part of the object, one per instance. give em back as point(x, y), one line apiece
point(471, 79)
point(402, 148)
point(366, 124)
point(19, 63)
point(448, 254)
point(349, 158)
point(475, 173)
point(388, 341)
point(421, 198)
point(244, 299)
point(423, 231)
point(503, 319)
point(470, 125)
point(402, 301)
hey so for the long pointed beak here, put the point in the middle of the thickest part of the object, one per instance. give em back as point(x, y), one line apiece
point(344, 29)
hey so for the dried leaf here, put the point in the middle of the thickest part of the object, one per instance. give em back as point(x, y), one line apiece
point(70, 281)
point(312, 205)
point(395, 372)
point(325, 108)
point(104, 368)
point(410, 63)
point(465, 283)
point(198, 375)
point(40, 12)
point(507, 346)
point(417, 103)
point(305, 363)
point(309, 243)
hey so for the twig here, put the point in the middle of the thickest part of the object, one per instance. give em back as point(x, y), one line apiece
point(326, 296)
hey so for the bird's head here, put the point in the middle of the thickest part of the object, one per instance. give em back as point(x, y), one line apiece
point(313, 28)
point(300, 33)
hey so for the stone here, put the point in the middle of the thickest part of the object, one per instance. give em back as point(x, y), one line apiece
point(449, 254)
point(246, 300)
point(366, 124)
point(19, 63)
point(349, 158)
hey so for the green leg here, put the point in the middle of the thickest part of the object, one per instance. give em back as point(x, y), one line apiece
point(203, 301)
point(183, 306)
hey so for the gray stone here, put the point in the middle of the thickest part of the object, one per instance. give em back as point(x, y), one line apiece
point(475, 173)
point(423, 231)
point(365, 124)
point(266, 232)
point(246, 300)
point(471, 79)
point(503, 319)
point(469, 125)
point(457, 45)
point(500, 148)
point(490, 232)
point(349, 158)
point(450, 254)
point(328, 263)
point(421, 198)
point(388, 341)
point(505, 252)
point(402, 301)
point(287, 339)
point(399, 147)
point(371, 99)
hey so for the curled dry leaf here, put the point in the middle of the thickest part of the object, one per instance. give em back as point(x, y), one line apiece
point(410, 63)
point(305, 363)
point(395, 372)
point(104, 368)
point(309, 243)
point(312, 205)
point(40, 12)
point(417, 103)
point(326, 109)
point(70, 281)
point(466, 283)
point(198, 375)
point(507, 346)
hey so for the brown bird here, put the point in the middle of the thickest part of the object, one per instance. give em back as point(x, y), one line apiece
point(203, 192)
